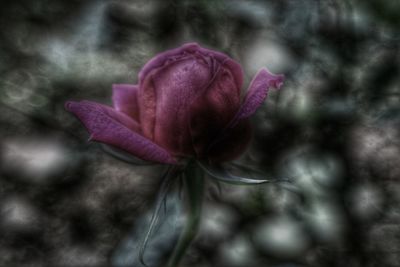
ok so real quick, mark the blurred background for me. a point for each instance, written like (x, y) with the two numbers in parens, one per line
(333, 129)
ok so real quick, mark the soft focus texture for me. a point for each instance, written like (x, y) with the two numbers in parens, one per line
(188, 103)
(333, 129)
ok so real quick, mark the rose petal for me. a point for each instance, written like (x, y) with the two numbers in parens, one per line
(177, 87)
(161, 58)
(257, 93)
(223, 146)
(110, 112)
(125, 99)
(227, 62)
(151, 97)
(211, 112)
(165, 98)
(114, 128)
(236, 70)
(147, 108)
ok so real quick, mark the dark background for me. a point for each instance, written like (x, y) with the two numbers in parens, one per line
(333, 129)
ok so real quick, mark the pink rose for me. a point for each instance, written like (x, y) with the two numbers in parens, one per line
(188, 104)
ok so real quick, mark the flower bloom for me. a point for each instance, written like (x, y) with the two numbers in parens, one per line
(188, 103)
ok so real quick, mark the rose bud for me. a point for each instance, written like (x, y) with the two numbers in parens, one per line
(188, 103)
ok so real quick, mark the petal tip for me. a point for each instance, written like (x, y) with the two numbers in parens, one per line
(69, 105)
(190, 45)
(278, 81)
(274, 80)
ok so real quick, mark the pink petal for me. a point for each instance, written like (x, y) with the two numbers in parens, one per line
(125, 99)
(115, 128)
(227, 62)
(165, 96)
(236, 70)
(213, 110)
(237, 131)
(172, 80)
(257, 93)
(176, 88)
(161, 58)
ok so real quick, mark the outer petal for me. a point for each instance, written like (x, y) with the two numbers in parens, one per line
(176, 88)
(229, 63)
(211, 112)
(165, 97)
(110, 112)
(114, 128)
(174, 81)
(160, 59)
(257, 93)
(236, 70)
(236, 128)
(125, 99)
(147, 108)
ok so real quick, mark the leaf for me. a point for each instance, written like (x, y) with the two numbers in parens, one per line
(194, 189)
(219, 173)
(165, 229)
(161, 199)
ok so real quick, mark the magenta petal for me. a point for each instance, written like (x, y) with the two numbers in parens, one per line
(125, 99)
(112, 113)
(110, 127)
(165, 98)
(160, 58)
(236, 70)
(213, 110)
(257, 93)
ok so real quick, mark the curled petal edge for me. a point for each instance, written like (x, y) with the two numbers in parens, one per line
(108, 126)
(160, 59)
(256, 94)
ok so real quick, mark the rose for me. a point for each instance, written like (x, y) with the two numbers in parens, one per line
(188, 104)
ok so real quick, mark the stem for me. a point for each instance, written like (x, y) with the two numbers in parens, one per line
(194, 185)
(162, 194)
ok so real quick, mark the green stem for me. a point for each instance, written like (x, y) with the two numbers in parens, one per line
(194, 185)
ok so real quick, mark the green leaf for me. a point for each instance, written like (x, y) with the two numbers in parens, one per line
(194, 189)
(219, 173)
(162, 194)
(160, 244)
